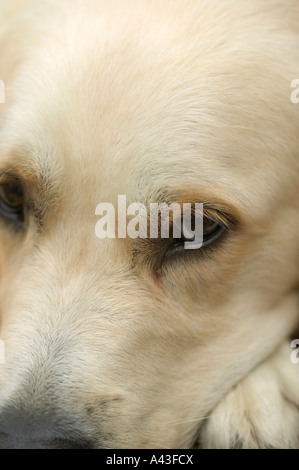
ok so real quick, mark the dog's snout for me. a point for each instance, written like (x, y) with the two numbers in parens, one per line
(21, 430)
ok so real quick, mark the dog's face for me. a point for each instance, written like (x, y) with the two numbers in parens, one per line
(121, 342)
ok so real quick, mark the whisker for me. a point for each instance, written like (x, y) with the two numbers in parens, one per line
(203, 418)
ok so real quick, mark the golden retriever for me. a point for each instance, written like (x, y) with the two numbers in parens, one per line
(136, 342)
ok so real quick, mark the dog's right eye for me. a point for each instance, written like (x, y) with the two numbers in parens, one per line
(12, 202)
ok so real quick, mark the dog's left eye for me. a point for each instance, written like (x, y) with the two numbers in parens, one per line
(215, 227)
(212, 231)
(12, 202)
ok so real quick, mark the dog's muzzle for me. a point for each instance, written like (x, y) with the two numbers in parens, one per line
(19, 430)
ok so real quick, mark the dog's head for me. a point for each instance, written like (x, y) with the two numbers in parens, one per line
(118, 342)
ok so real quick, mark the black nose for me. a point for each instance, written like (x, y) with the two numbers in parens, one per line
(25, 442)
(20, 429)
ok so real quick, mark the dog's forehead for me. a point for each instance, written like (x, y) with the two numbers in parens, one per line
(126, 112)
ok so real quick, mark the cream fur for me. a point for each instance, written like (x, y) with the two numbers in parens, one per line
(147, 98)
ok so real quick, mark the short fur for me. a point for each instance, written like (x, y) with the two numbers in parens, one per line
(187, 100)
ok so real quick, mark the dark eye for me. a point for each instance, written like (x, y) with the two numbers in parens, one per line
(212, 231)
(12, 202)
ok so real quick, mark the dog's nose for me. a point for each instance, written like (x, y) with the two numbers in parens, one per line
(25, 442)
(21, 430)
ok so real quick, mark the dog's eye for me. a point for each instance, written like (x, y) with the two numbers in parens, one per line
(213, 230)
(12, 202)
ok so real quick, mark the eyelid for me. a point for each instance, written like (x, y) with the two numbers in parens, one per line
(7, 177)
(215, 215)
(223, 219)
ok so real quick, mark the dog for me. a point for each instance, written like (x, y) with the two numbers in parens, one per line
(119, 342)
